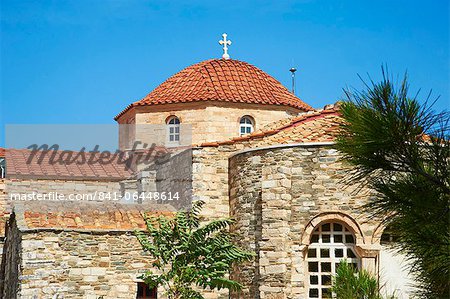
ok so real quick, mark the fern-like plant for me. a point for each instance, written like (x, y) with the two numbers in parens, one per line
(190, 256)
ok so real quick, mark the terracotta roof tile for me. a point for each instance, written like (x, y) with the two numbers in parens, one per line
(313, 126)
(109, 216)
(17, 165)
(221, 80)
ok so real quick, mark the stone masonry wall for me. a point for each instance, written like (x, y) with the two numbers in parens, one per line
(76, 265)
(211, 121)
(274, 194)
(45, 186)
(171, 176)
(210, 180)
(4, 215)
(247, 198)
(210, 177)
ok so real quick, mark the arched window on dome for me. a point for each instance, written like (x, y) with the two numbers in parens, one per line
(173, 130)
(246, 125)
(330, 243)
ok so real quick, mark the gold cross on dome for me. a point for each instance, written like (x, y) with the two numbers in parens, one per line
(225, 44)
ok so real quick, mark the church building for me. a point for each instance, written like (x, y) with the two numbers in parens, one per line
(255, 152)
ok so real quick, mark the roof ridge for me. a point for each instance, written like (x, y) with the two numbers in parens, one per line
(208, 80)
(203, 83)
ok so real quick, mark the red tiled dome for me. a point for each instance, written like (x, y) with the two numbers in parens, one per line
(221, 80)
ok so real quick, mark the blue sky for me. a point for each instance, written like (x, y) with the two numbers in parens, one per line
(83, 61)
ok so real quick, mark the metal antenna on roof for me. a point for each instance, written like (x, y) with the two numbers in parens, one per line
(293, 70)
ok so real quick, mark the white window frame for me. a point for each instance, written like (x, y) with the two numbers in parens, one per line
(246, 125)
(173, 130)
(325, 251)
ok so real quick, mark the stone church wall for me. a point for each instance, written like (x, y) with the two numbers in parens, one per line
(212, 121)
(74, 264)
(27, 186)
(277, 197)
(5, 210)
(4, 215)
(210, 176)
(170, 175)
(210, 180)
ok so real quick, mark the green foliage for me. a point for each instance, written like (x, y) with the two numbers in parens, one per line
(350, 284)
(401, 149)
(189, 256)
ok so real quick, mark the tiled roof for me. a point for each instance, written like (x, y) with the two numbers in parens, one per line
(101, 216)
(2, 152)
(313, 126)
(221, 80)
(17, 166)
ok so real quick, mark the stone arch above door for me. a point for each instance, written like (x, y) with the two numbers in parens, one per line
(332, 217)
(366, 251)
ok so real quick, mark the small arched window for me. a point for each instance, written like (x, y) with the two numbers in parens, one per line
(173, 129)
(246, 125)
(330, 243)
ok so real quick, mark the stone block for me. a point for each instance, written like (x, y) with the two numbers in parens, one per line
(275, 269)
(268, 184)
